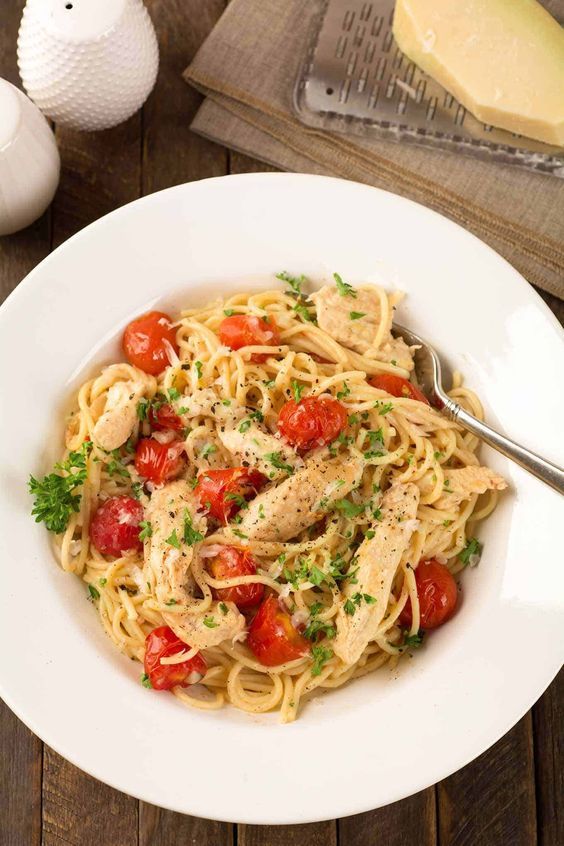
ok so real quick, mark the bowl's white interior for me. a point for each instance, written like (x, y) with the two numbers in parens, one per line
(390, 733)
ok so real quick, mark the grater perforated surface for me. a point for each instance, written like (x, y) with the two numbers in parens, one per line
(356, 80)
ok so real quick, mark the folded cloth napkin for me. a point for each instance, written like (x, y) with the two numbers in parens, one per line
(247, 69)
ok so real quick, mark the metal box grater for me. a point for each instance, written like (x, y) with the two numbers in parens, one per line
(356, 80)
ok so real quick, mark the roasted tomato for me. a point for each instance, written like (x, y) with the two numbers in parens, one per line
(144, 341)
(115, 526)
(246, 330)
(222, 492)
(165, 417)
(159, 463)
(312, 422)
(272, 637)
(397, 386)
(230, 563)
(163, 643)
(437, 593)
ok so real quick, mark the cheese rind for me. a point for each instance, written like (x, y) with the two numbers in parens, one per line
(502, 59)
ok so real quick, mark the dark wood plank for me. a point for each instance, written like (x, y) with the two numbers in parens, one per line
(79, 810)
(315, 834)
(158, 827)
(492, 800)
(406, 823)
(171, 153)
(548, 720)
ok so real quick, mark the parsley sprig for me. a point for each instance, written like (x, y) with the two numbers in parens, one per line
(320, 655)
(344, 289)
(276, 459)
(473, 547)
(54, 500)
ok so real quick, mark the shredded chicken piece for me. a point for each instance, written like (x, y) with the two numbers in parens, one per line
(377, 562)
(118, 420)
(461, 484)
(253, 444)
(282, 512)
(168, 568)
(334, 317)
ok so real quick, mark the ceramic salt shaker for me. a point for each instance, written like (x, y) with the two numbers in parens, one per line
(29, 160)
(87, 64)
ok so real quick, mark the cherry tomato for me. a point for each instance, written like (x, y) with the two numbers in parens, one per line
(165, 417)
(312, 422)
(397, 386)
(437, 594)
(230, 563)
(162, 643)
(220, 491)
(115, 526)
(272, 637)
(245, 330)
(159, 463)
(144, 341)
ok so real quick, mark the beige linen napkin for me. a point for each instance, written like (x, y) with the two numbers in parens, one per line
(248, 67)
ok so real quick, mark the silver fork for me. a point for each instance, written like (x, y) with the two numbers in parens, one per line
(428, 372)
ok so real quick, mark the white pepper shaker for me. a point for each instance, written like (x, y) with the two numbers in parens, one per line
(87, 64)
(29, 160)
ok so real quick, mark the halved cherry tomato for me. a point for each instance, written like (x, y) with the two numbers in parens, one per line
(312, 422)
(272, 637)
(246, 330)
(229, 563)
(221, 491)
(397, 386)
(162, 643)
(144, 341)
(115, 526)
(437, 593)
(165, 417)
(157, 462)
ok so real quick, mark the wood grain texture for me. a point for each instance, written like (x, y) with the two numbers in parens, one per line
(411, 822)
(491, 802)
(78, 810)
(548, 721)
(158, 827)
(171, 153)
(315, 834)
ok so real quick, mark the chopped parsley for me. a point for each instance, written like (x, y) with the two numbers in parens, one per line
(316, 576)
(413, 641)
(198, 365)
(316, 627)
(223, 608)
(210, 623)
(353, 418)
(145, 680)
(208, 450)
(269, 383)
(257, 415)
(473, 547)
(103, 581)
(229, 312)
(369, 534)
(116, 467)
(356, 315)
(238, 499)
(170, 602)
(54, 501)
(172, 540)
(146, 530)
(438, 455)
(238, 533)
(245, 426)
(320, 655)
(94, 592)
(297, 389)
(261, 513)
(302, 311)
(354, 602)
(193, 482)
(226, 402)
(277, 460)
(344, 392)
(190, 536)
(344, 289)
(295, 282)
(383, 407)
(349, 509)
(173, 394)
(136, 489)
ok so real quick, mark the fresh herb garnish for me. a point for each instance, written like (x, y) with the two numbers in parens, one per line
(146, 530)
(344, 289)
(210, 623)
(413, 641)
(208, 450)
(297, 389)
(173, 394)
(349, 509)
(54, 501)
(238, 499)
(320, 655)
(473, 547)
(383, 408)
(295, 282)
(146, 681)
(344, 392)
(277, 460)
(245, 426)
(238, 533)
(356, 315)
(170, 602)
(103, 581)
(355, 600)
(94, 592)
(190, 536)
(302, 311)
(198, 365)
(226, 402)
(223, 608)
(172, 540)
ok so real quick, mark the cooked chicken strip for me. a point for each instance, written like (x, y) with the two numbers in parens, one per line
(170, 510)
(116, 424)
(282, 512)
(334, 316)
(461, 484)
(378, 561)
(252, 445)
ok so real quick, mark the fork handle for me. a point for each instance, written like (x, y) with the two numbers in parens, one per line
(539, 467)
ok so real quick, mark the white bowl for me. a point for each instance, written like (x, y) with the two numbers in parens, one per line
(382, 737)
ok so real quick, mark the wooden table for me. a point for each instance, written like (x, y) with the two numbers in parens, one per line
(507, 797)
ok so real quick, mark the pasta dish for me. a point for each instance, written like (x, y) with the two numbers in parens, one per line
(260, 499)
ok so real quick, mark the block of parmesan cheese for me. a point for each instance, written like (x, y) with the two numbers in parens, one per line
(502, 59)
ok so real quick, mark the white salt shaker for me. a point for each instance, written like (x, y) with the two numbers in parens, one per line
(87, 64)
(29, 160)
